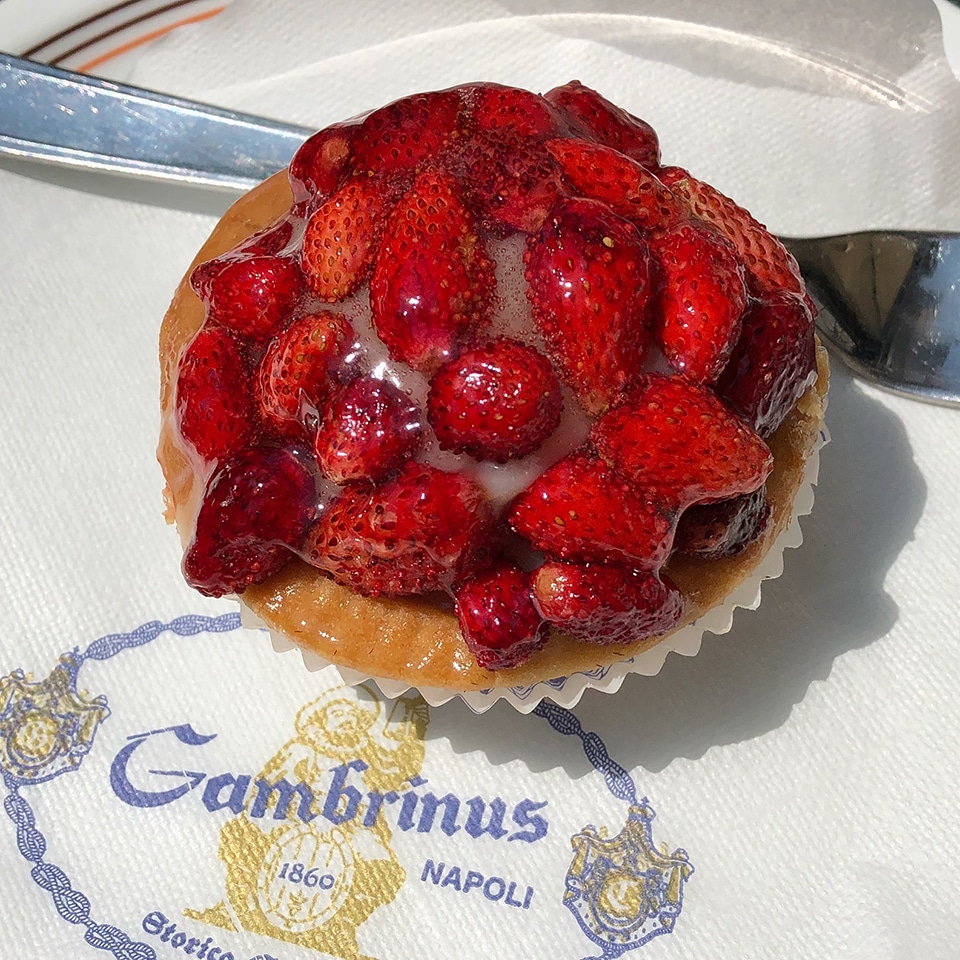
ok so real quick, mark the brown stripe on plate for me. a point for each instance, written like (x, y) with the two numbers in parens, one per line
(33, 52)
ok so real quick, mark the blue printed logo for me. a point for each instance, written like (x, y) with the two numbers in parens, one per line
(291, 850)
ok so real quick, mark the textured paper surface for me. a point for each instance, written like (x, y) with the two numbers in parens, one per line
(806, 761)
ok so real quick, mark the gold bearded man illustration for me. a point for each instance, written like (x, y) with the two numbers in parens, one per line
(307, 881)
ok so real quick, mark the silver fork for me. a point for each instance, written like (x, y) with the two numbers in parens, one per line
(890, 300)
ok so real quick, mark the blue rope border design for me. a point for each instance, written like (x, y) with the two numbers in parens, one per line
(618, 780)
(71, 904)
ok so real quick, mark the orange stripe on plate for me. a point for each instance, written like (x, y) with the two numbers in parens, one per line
(146, 38)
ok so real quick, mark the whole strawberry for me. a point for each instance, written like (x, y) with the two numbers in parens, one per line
(510, 181)
(598, 119)
(215, 412)
(271, 241)
(493, 106)
(582, 509)
(499, 622)
(681, 442)
(406, 135)
(628, 188)
(420, 532)
(606, 604)
(771, 266)
(589, 287)
(773, 362)
(253, 295)
(254, 514)
(321, 162)
(300, 369)
(368, 429)
(703, 296)
(340, 239)
(497, 401)
(432, 280)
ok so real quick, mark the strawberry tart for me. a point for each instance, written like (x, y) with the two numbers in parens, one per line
(479, 392)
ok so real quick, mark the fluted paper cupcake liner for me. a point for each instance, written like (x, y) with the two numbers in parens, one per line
(567, 691)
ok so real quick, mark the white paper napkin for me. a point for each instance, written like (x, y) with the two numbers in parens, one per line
(806, 762)
(820, 119)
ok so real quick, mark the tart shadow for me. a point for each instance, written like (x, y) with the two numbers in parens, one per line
(829, 600)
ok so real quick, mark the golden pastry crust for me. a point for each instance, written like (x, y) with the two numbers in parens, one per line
(412, 639)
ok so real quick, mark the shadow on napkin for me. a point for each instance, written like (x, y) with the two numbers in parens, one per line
(829, 600)
(171, 196)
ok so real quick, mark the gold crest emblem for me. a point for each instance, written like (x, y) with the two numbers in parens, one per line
(623, 890)
(307, 881)
(46, 726)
